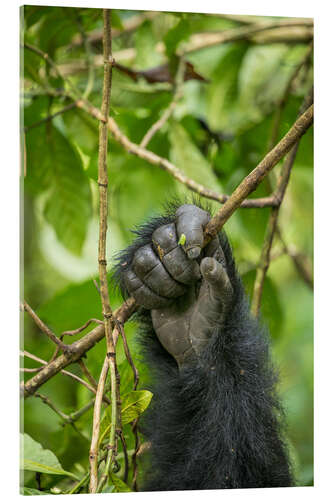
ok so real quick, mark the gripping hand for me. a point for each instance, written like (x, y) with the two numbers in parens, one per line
(185, 287)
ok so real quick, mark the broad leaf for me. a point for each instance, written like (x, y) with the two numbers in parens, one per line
(119, 485)
(134, 404)
(37, 459)
(54, 165)
(189, 159)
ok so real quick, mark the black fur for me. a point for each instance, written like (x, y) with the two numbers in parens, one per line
(219, 424)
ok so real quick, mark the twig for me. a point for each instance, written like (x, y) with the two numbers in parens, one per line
(204, 40)
(170, 109)
(93, 454)
(64, 372)
(44, 328)
(49, 403)
(48, 118)
(79, 348)
(302, 263)
(251, 181)
(87, 373)
(123, 442)
(81, 328)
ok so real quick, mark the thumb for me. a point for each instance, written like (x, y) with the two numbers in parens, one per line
(218, 281)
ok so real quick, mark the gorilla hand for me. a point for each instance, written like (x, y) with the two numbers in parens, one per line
(186, 287)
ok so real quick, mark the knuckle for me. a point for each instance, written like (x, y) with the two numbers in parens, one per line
(143, 260)
(164, 239)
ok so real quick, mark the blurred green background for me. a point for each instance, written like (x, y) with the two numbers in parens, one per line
(220, 130)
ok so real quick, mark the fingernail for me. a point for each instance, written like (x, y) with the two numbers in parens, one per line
(193, 253)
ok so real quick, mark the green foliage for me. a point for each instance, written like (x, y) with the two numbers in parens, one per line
(134, 404)
(37, 459)
(56, 168)
(218, 133)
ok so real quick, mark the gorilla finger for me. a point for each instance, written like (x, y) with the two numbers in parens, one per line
(218, 280)
(172, 256)
(142, 294)
(214, 249)
(152, 273)
(190, 221)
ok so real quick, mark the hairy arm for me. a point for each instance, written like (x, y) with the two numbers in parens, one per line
(215, 419)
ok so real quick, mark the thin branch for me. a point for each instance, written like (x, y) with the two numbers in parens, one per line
(110, 359)
(44, 328)
(123, 442)
(64, 372)
(302, 263)
(203, 40)
(93, 454)
(66, 418)
(179, 80)
(81, 328)
(251, 181)
(49, 118)
(87, 373)
(78, 349)
(166, 165)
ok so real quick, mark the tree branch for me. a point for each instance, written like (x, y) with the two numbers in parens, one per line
(110, 360)
(251, 181)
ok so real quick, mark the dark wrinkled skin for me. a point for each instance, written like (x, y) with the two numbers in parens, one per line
(186, 288)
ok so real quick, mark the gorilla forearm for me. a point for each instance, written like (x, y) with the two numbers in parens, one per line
(215, 421)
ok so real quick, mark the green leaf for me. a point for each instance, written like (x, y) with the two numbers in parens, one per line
(37, 459)
(223, 111)
(32, 492)
(119, 485)
(54, 165)
(82, 129)
(134, 404)
(190, 160)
